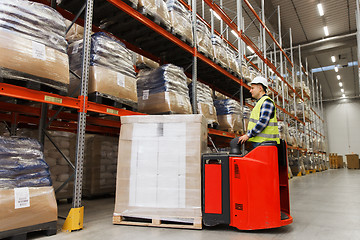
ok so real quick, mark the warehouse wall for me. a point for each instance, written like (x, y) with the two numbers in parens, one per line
(343, 126)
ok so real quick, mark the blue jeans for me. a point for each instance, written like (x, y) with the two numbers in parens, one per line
(255, 144)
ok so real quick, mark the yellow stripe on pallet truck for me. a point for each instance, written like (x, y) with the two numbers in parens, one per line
(74, 220)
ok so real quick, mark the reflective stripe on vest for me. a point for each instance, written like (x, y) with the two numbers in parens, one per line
(271, 131)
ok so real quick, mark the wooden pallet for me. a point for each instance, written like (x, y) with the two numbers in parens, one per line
(112, 101)
(155, 18)
(48, 229)
(122, 220)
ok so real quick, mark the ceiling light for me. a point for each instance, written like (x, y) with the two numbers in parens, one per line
(342, 90)
(215, 14)
(320, 9)
(343, 95)
(326, 31)
(250, 49)
(340, 84)
(333, 59)
(338, 77)
(235, 33)
(336, 69)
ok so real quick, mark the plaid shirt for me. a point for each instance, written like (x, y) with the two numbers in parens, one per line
(266, 113)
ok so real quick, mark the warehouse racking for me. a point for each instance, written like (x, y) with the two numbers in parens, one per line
(165, 47)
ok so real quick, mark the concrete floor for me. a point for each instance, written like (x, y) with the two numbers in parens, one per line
(324, 206)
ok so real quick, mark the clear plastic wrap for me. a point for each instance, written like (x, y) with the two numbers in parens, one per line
(163, 89)
(157, 9)
(205, 102)
(111, 68)
(232, 60)
(220, 53)
(246, 116)
(42, 208)
(22, 163)
(35, 22)
(229, 115)
(203, 39)
(180, 19)
(293, 137)
(143, 62)
(75, 33)
(26, 59)
(159, 170)
(284, 131)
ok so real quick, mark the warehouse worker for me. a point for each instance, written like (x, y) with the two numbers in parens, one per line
(262, 123)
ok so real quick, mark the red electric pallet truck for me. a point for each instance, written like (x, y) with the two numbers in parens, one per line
(248, 192)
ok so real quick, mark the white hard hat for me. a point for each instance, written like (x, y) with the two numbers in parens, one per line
(261, 80)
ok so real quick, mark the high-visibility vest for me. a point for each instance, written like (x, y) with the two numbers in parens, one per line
(271, 131)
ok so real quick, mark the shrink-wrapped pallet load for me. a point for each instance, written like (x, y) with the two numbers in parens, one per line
(205, 102)
(157, 9)
(163, 90)
(111, 73)
(203, 39)
(100, 165)
(232, 60)
(180, 19)
(220, 53)
(229, 115)
(26, 193)
(293, 137)
(284, 132)
(159, 169)
(32, 44)
(144, 62)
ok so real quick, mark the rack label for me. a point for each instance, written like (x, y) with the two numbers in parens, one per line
(120, 80)
(22, 197)
(38, 50)
(146, 94)
(109, 110)
(52, 99)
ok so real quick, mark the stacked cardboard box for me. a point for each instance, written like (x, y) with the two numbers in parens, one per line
(32, 44)
(158, 174)
(353, 161)
(26, 194)
(229, 115)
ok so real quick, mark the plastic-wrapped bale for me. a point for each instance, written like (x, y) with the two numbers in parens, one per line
(26, 193)
(33, 45)
(157, 9)
(203, 39)
(100, 165)
(205, 102)
(245, 71)
(180, 19)
(219, 96)
(246, 116)
(229, 115)
(284, 131)
(111, 74)
(232, 61)
(220, 53)
(59, 168)
(75, 33)
(144, 62)
(163, 90)
(159, 170)
(253, 73)
(293, 137)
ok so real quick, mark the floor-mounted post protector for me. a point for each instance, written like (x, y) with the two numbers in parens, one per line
(75, 219)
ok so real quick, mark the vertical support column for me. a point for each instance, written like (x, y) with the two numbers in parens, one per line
(276, 78)
(42, 123)
(264, 37)
(312, 98)
(293, 73)
(307, 85)
(74, 221)
(194, 66)
(203, 9)
(358, 39)
(302, 91)
(281, 66)
(221, 21)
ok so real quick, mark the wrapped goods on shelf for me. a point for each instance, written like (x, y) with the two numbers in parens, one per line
(100, 165)
(180, 19)
(219, 96)
(301, 85)
(157, 9)
(159, 170)
(253, 73)
(293, 137)
(245, 71)
(220, 52)
(246, 116)
(296, 163)
(26, 192)
(232, 61)
(205, 102)
(32, 44)
(75, 33)
(111, 68)
(203, 39)
(144, 62)
(229, 115)
(163, 90)
(284, 131)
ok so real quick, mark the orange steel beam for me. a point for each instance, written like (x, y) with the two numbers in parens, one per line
(221, 133)
(267, 30)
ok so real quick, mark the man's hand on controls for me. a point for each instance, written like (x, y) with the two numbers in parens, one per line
(243, 139)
